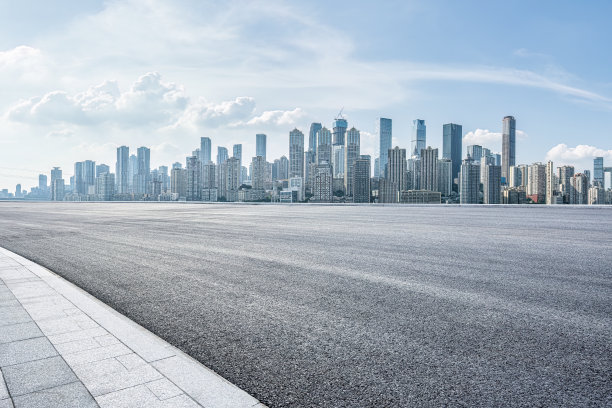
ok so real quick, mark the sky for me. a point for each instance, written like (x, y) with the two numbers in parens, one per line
(80, 78)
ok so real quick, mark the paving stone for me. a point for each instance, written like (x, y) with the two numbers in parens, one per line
(78, 335)
(110, 375)
(77, 346)
(100, 353)
(107, 340)
(66, 324)
(19, 331)
(6, 403)
(142, 396)
(25, 350)
(9, 301)
(16, 273)
(12, 315)
(164, 389)
(3, 391)
(37, 375)
(73, 395)
(34, 289)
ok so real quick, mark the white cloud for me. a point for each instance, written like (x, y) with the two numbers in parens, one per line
(277, 117)
(488, 139)
(21, 56)
(565, 154)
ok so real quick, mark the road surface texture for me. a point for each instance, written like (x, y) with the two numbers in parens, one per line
(356, 306)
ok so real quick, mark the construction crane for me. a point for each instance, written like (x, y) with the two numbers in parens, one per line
(339, 116)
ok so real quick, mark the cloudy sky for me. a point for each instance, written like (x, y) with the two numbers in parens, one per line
(80, 78)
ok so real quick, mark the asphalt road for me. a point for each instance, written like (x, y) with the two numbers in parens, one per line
(353, 306)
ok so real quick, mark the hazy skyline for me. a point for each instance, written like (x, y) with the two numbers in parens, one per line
(80, 79)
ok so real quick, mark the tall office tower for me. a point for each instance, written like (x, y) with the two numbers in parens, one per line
(418, 138)
(237, 153)
(229, 183)
(551, 182)
(79, 183)
(143, 176)
(491, 184)
(452, 136)
(596, 195)
(338, 154)
(580, 189)
(196, 153)
(384, 128)
(42, 183)
(260, 145)
(222, 155)
(194, 179)
(259, 173)
(565, 182)
(177, 165)
(322, 183)
(508, 146)
(324, 146)
(89, 177)
(361, 179)
(497, 159)
(56, 174)
(275, 166)
(515, 176)
(132, 173)
(445, 177)
(205, 150)
(474, 152)
(598, 172)
(587, 173)
(178, 182)
(105, 186)
(283, 168)
(102, 168)
(396, 172)
(413, 167)
(351, 153)
(208, 175)
(377, 169)
(469, 182)
(340, 126)
(296, 153)
(429, 169)
(536, 182)
(122, 169)
(312, 138)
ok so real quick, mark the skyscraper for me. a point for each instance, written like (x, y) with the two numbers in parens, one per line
(283, 168)
(324, 146)
(57, 184)
(237, 153)
(132, 172)
(475, 152)
(340, 126)
(536, 182)
(144, 170)
(429, 169)
(312, 138)
(445, 178)
(42, 183)
(452, 136)
(361, 180)
(205, 150)
(598, 172)
(580, 189)
(565, 182)
(260, 145)
(296, 153)
(222, 155)
(322, 184)
(122, 171)
(102, 168)
(351, 153)
(229, 183)
(491, 184)
(418, 139)
(396, 176)
(550, 183)
(508, 146)
(259, 173)
(469, 182)
(385, 136)
(194, 179)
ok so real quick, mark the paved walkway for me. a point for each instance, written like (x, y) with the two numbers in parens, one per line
(61, 347)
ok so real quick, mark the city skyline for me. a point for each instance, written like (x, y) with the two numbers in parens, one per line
(147, 92)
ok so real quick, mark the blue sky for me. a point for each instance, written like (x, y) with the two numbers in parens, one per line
(81, 78)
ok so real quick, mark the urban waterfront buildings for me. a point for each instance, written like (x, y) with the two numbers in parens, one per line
(418, 140)
(385, 136)
(452, 141)
(508, 146)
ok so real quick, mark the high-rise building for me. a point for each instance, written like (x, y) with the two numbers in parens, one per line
(518, 176)
(229, 183)
(205, 150)
(324, 146)
(565, 182)
(351, 153)
(194, 179)
(322, 185)
(132, 173)
(56, 174)
(163, 178)
(208, 175)
(536, 182)
(429, 169)
(79, 181)
(259, 173)
(105, 186)
(340, 126)
(338, 154)
(491, 184)
(551, 182)
(102, 168)
(361, 180)
(474, 152)
(42, 183)
(469, 182)
(385, 137)
(452, 139)
(445, 177)
(178, 182)
(260, 145)
(580, 189)
(222, 155)
(508, 146)
(283, 168)
(296, 153)
(312, 138)
(144, 170)
(122, 171)
(396, 176)
(598, 172)
(418, 137)
(237, 153)
(377, 167)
